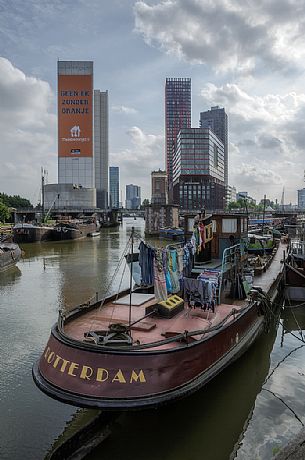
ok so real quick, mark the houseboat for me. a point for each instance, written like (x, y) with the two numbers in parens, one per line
(192, 315)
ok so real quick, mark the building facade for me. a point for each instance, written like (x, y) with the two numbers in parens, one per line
(245, 196)
(177, 116)
(198, 170)
(114, 187)
(101, 154)
(160, 216)
(68, 197)
(133, 196)
(301, 198)
(159, 187)
(217, 119)
(230, 193)
(75, 123)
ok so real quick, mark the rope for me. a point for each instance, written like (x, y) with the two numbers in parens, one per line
(285, 404)
(125, 252)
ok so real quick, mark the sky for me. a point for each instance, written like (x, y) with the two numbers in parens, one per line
(245, 55)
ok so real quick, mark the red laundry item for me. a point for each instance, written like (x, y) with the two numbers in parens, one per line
(202, 234)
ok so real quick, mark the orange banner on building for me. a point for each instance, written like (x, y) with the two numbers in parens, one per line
(75, 118)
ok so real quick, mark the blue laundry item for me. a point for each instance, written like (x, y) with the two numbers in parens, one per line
(168, 283)
(146, 258)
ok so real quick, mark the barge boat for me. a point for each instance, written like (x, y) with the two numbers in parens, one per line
(135, 350)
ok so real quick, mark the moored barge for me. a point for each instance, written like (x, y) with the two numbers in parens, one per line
(135, 350)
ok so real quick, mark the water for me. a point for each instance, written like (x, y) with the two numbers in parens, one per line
(229, 417)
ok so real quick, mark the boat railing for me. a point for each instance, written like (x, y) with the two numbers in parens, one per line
(230, 258)
(297, 247)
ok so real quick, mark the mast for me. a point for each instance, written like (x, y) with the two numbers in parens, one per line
(42, 194)
(264, 209)
(131, 269)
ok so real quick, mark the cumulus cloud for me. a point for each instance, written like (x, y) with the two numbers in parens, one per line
(227, 34)
(145, 155)
(266, 138)
(27, 130)
(124, 109)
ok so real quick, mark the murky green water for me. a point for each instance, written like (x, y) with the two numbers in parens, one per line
(229, 417)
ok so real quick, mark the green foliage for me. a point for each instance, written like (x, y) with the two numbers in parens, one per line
(276, 450)
(15, 201)
(4, 212)
(145, 202)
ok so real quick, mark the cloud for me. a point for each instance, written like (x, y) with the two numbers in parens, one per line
(124, 109)
(136, 163)
(266, 138)
(227, 34)
(27, 130)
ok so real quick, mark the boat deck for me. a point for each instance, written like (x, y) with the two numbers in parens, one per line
(155, 328)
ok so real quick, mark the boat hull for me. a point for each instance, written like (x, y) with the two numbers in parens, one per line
(10, 256)
(63, 232)
(89, 376)
(31, 234)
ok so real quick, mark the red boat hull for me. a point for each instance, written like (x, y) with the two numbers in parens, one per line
(90, 376)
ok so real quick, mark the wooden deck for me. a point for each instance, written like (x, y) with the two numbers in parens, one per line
(153, 329)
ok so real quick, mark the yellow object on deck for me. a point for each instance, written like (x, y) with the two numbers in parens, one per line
(172, 302)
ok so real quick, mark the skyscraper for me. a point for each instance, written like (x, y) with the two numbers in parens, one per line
(101, 147)
(177, 116)
(133, 196)
(217, 119)
(114, 187)
(198, 170)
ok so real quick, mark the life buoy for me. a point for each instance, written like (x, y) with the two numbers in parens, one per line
(58, 229)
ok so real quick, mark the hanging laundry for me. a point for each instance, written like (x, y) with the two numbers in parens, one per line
(146, 263)
(180, 260)
(159, 277)
(173, 270)
(201, 228)
(193, 291)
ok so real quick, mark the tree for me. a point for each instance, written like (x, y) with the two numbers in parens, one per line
(15, 201)
(4, 212)
(145, 202)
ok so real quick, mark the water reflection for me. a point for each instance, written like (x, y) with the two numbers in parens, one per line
(231, 414)
(205, 425)
(273, 424)
(10, 276)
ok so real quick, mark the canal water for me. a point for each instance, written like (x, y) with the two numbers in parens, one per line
(237, 415)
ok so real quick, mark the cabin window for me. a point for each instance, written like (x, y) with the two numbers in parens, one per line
(214, 226)
(229, 225)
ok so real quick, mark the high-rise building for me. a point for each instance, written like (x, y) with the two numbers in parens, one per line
(75, 123)
(301, 198)
(101, 147)
(82, 157)
(217, 119)
(133, 196)
(114, 187)
(177, 116)
(198, 170)
(159, 190)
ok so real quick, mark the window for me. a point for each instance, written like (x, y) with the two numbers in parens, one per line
(229, 225)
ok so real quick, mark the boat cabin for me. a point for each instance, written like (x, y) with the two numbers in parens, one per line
(221, 232)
